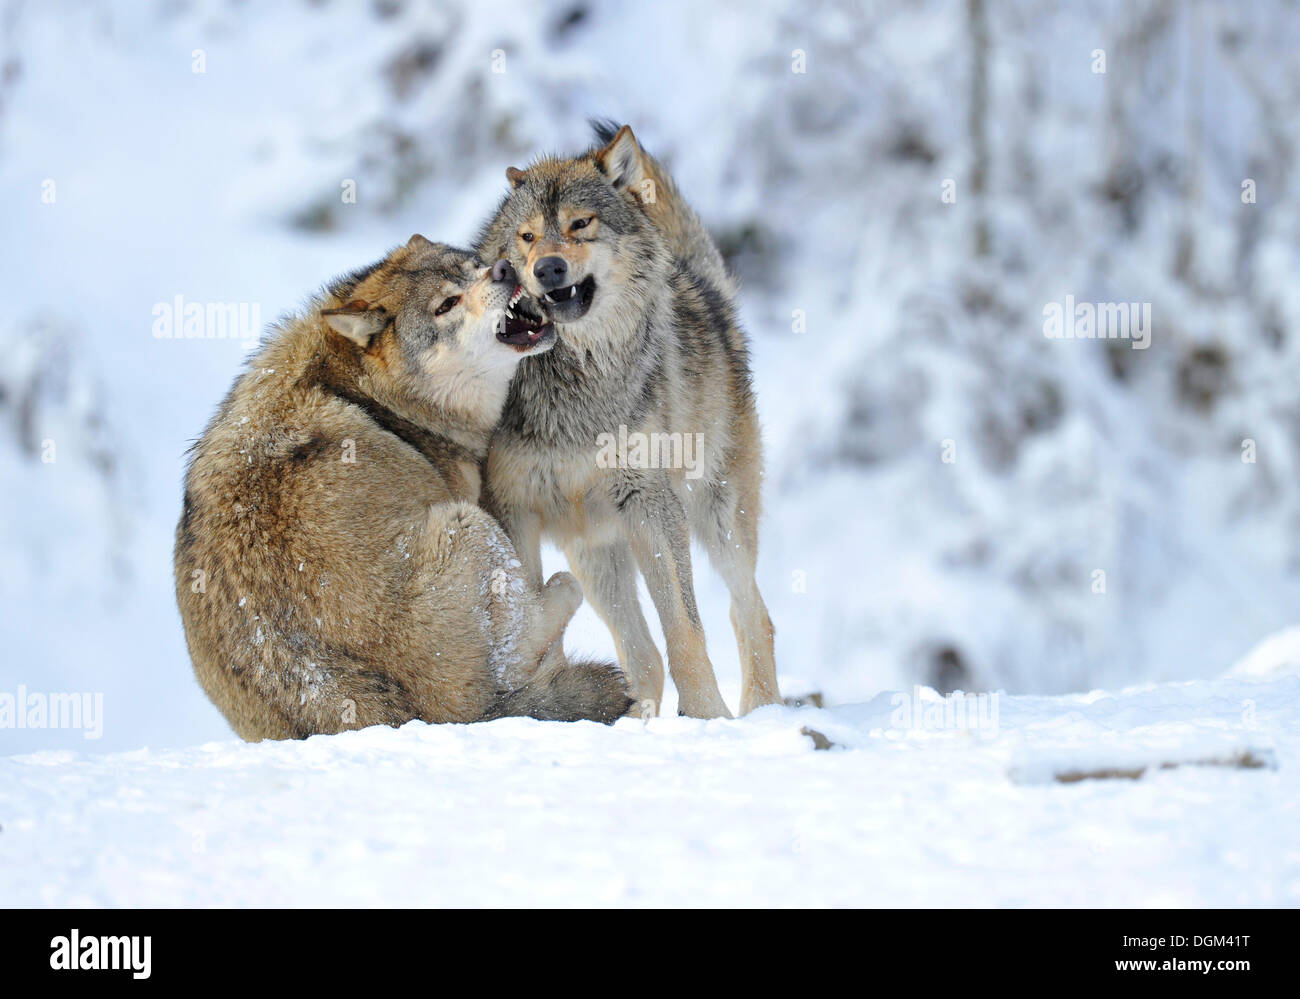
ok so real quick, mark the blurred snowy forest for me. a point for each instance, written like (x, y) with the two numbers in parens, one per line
(953, 498)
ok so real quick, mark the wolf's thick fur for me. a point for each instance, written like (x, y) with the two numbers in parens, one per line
(648, 341)
(332, 568)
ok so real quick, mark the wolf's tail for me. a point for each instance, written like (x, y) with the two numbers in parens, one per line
(583, 691)
(688, 239)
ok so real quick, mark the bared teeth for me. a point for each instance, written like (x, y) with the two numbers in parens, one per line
(573, 290)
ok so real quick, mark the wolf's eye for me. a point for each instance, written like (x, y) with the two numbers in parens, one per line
(527, 237)
(447, 305)
(581, 223)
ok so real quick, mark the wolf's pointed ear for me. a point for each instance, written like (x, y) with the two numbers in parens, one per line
(418, 242)
(357, 321)
(515, 176)
(622, 161)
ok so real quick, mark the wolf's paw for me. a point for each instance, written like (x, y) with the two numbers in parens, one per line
(702, 705)
(645, 708)
(562, 595)
(758, 697)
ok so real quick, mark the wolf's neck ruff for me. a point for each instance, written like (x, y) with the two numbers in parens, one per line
(573, 394)
(337, 370)
(437, 449)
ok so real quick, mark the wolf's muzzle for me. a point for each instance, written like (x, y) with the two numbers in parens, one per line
(502, 271)
(551, 272)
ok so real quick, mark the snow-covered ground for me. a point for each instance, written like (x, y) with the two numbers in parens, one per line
(901, 810)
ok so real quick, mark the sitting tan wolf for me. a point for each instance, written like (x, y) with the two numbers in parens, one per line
(332, 568)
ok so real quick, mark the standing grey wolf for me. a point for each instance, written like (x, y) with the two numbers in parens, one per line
(650, 352)
(332, 568)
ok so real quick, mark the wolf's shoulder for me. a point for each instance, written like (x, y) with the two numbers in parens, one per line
(699, 299)
(706, 321)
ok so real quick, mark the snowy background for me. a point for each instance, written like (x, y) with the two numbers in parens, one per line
(888, 322)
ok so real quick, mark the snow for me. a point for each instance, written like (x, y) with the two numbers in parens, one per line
(677, 811)
(1277, 655)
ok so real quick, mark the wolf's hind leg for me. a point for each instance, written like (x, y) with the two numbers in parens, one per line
(478, 580)
(726, 522)
(608, 577)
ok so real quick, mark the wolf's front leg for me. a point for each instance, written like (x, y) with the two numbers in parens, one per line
(607, 572)
(560, 599)
(654, 523)
(524, 529)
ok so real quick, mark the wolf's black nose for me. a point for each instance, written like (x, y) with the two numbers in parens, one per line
(502, 271)
(551, 272)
